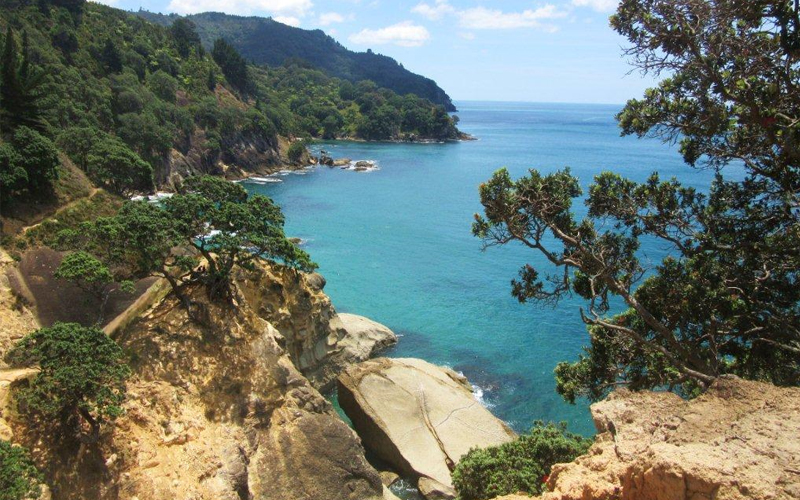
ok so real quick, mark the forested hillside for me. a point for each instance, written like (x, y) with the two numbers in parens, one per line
(135, 105)
(266, 41)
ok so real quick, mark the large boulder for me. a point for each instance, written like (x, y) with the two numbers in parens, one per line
(739, 440)
(418, 417)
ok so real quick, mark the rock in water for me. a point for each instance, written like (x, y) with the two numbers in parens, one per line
(364, 338)
(434, 490)
(418, 417)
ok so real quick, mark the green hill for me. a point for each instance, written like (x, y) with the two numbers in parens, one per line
(265, 41)
(137, 106)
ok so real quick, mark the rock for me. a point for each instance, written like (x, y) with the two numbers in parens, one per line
(434, 490)
(364, 338)
(218, 410)
(316, 281)
(342, 162)
(295, 240)
(388, 495)
(417, 417)
(739, 440)
(362, 166)
(318, 342)
(324, 159)
(388, 478)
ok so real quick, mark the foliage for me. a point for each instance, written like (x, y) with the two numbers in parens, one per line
(19, 477)
(184, 32)
(296, 151)
(213, 217)
(268, 42)
(727, 298)
(82, 376)
(233, 65)
(21, 85)
(518, 466)
(90, 275)
(112, 165)
(86, 75)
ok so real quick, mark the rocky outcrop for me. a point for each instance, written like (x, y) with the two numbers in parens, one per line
(739, 440)
(215, 410)
(418, 417)
(320, 342)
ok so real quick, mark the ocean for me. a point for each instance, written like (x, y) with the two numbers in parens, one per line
(395, 244)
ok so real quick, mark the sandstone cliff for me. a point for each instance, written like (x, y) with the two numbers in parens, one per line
(739, 440)
(219, 411)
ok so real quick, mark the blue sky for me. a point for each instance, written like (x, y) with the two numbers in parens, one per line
(506, 50)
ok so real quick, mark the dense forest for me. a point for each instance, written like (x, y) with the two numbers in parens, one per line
(118, 95)
(266, 41)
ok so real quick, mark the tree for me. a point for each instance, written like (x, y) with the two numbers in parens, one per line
(233, 65)
(163, 86)
(184, 32)
(38, 156)
(20, 85)
(726, 298)
(12, 176)
(230, 229)
(90, 275)
(111, 164)
(81, 379)
(296, 151)
(210, 218)
(19, 477)
(110, 57)
(521, 465)
(77, 143)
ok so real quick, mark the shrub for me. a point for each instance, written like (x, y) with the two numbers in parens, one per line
(296, 151)
(82, 375)
(521, 465)
(19, 478)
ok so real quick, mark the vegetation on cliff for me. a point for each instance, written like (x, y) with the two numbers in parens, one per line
(519, 466)
(197, 236)
(268, 42)
(81, 379)
(19, 478)
(726, 300)
(118, 94)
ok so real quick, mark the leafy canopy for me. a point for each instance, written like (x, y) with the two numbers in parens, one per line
(19, 477)
(726, 299)
(211, 218)
(82, 376)
(518, 466)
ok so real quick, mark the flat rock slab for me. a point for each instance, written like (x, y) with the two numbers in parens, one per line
(418, 417)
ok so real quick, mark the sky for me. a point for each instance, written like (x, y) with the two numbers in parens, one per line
(496, 50)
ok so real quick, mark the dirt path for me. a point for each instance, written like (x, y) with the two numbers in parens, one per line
(69, 205)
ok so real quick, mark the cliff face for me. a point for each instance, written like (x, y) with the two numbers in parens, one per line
(241, 154)
(739, 440)
(218, 411)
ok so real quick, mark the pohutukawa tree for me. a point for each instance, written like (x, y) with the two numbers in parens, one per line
(726, 299)
(197, 237)
(81, 378)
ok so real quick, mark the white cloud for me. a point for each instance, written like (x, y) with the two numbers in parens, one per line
(329, 18)
(481, 18)
(293, 8)
(466, 35)
(405, 34)
(290, 20)
(434, 12)
(598, 5)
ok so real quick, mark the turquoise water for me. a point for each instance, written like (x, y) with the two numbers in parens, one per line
(395, 244)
